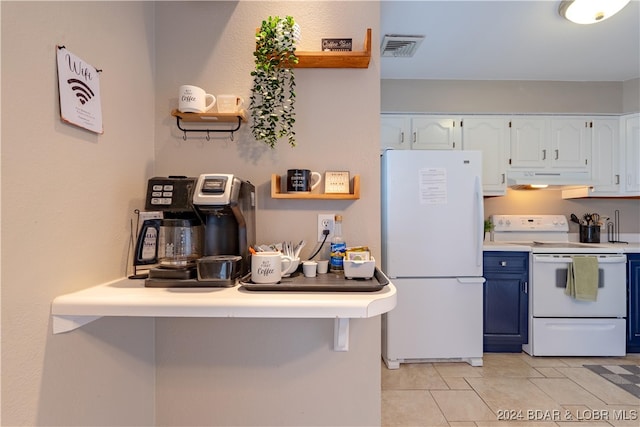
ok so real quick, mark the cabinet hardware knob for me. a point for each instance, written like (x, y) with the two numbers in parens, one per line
(503, 263)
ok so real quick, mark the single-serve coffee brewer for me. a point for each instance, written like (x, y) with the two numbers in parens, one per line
(208, 220)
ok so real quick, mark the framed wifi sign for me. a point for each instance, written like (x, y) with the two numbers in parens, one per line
(79, 87)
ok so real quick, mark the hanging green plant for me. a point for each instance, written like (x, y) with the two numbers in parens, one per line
(273, 93)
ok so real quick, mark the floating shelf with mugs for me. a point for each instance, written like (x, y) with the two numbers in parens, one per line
(195, 105)
(278, 193)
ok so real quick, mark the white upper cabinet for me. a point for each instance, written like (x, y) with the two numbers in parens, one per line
(550, 143)
(395, 132)
(631, 154)
(435, 133)
(419, 132)
(571, 143)
(606, 156)
(602, 150)
(490, 135)
(529, 143)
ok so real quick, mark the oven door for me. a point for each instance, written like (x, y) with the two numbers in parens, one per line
(549, 279)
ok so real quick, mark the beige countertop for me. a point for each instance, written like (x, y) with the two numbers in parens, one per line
(514, 247)
(507, 247)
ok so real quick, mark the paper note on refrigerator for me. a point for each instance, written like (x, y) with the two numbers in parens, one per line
(433, 186)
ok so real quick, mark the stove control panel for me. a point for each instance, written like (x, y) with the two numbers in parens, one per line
(554, 223)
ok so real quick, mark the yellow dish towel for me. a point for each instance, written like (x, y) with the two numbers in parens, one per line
(582, 278)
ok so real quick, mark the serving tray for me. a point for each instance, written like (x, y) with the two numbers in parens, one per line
(330, 282)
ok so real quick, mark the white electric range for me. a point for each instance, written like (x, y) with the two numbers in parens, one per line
(560, 325)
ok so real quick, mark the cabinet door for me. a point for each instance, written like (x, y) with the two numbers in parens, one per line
(435, 133)
(491, 136)
(505, 301)
(605, 156)
(395, 132)
(570, 143)
(632, 154)
(633, 309)
(529, 143)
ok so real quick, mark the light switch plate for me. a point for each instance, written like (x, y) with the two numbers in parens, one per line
(336, 182)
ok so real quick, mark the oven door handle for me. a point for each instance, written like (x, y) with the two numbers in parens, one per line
(565, 259)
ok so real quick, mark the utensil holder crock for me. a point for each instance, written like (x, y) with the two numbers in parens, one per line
(589, 233)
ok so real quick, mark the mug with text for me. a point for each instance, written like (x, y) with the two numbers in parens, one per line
(302, 180)
(269, 267)
(229, 103)
(193, 99)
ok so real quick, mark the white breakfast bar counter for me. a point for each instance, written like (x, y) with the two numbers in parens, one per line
(230, 356)
(130, 298)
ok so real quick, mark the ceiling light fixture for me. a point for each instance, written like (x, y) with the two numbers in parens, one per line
(590, 11)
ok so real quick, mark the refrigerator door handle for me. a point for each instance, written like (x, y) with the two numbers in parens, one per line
(480, 221)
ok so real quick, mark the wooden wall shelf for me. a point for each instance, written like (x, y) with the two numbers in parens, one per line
(209, 118)
(354, 59)
(277, 194)
(323, 59)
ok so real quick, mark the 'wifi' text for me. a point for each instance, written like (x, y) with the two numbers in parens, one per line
(78, 68)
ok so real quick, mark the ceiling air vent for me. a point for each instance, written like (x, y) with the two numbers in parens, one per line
(400, 46)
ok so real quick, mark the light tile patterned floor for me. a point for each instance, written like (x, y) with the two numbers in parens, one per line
(509, 390)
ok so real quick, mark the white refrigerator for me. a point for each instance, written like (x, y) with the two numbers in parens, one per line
(432, 237)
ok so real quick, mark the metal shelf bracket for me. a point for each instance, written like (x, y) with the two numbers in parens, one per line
(208, 131)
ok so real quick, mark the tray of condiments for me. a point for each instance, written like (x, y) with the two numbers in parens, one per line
(329, 282)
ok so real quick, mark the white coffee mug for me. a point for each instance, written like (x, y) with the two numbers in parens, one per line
(295, 262)
(193, 99)
(229, 103)
(268, 267)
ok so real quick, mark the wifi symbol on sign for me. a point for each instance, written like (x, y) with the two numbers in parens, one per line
(82, 91)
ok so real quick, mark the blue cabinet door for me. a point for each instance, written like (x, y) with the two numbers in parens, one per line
(505, 301)
(633, 303)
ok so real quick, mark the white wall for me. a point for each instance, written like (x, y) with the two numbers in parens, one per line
(211, 44)
(67, 197)
(285, 365)
(68, 194)
(500, 96)
(631, 96)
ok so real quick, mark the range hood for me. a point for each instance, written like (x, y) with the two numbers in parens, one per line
(551, 179)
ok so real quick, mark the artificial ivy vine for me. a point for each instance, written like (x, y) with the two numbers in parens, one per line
(273, 92)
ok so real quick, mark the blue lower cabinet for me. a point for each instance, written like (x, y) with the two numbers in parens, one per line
(506, 301)
(633, 303)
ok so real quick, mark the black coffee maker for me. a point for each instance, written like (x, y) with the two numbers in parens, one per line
(226, 206)
(213, 214)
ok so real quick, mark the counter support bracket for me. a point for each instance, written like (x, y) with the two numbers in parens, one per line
(341, 334)
(64, 323)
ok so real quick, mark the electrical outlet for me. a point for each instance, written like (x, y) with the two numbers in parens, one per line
(325, 222)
